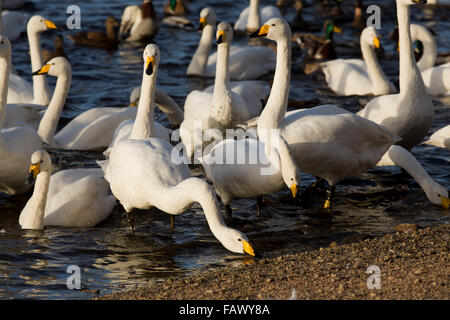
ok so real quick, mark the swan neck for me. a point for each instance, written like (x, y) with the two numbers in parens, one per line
(376, 73)
(144, 127)
(40, 84)
(253, 22)
(409, 73)
(39, 201)
(49, 122)
(273, 113)
(429, 55)
(5, 65)
(200, 59)
(221, 102)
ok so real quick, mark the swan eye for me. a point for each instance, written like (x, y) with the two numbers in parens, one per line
(2, 42)
(292, 179)
(41, 161)
(273, 25)
(239, 239)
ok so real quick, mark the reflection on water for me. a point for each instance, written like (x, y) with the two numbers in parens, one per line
(33, 264)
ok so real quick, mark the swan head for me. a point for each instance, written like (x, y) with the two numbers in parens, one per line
(438, 195)
(274, 29)
(224, 33)
(38, 24)
(291, 176)
(236, 241)
(151, 58)
(207, 17)
(371, 37)
(55, 67)
(134, 96)
(40, 162)
(5, 46)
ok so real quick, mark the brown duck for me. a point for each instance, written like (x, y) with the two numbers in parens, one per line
(108, 40)
(298, 23)
(59, 50)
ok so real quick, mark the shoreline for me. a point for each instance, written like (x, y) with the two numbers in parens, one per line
(412, 264)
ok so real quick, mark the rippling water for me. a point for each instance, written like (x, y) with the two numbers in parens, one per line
(33, 263)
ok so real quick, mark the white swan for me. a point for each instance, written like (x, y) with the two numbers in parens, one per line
(142, 173)
(435, 78)
(223, 107)
(139, 23)
(20, 91)
(69, 198)
(359, 77)
(251, 17)
(328, 141)
(246, 62)
(409, 113)
(12, 23)
(16, 144)
(440, 138)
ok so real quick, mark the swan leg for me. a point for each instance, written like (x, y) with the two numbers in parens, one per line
(228, 212)
(130, 217)
(259, 204)
(330, 195)
(172, 223)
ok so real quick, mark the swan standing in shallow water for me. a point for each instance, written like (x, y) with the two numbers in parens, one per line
(16, 144)
(142, 173)
(224, 107)
(322, 140)
(69, 198)
(359, 77)
(20, 91)
(246, 62)
(410, 113)
(251, 17)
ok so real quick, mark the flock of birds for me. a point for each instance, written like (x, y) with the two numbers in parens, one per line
(326, 141)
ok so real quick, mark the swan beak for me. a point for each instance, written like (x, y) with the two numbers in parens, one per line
(376, 42)
(398, 46)
(202, 24)
(34, 171)
(294, 190)
(221, 38)
(133, 104)
(248, 248)
(262, 32)
(337, 29)
(445, 202)
(50, 24)
(149, 66)
(420, 1)
(44, 70)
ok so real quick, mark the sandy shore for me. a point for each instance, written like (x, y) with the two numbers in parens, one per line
(413, 265)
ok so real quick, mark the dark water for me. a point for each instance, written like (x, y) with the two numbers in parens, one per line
(33, 264)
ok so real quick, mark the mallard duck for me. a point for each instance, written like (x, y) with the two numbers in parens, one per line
(59, 50)
(175, 8)
(108, 40)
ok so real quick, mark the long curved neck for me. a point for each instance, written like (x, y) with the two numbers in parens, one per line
(186, 193)
(429, 55)
(5, 65)
(200, 59)
(221, 109)
(376, 74)
(254, 20)
(143, 126)
(49, 122)
(170, 108)
(273, 114)
(36, 212)
(410, 77)
(40, 84)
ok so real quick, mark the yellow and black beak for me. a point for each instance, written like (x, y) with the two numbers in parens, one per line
(202, 23)
(262, 32)
(376, 42)
(248, 248)
(50, 24)
(34, 171)
(222, 37)
(44, 70)
(420, 1)
(150, 65)
(294, 190)
(445, 202)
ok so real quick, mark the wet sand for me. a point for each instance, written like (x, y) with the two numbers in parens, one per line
(413, 264)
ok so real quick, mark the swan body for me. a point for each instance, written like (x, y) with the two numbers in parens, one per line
(251, 17)
(246, 62)
(69, 198)
(143, 174)
(220, 107)
(16, 144)
(410, 113)
(20, 91)
(440, 138)
(139, 23)
(359, 77)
